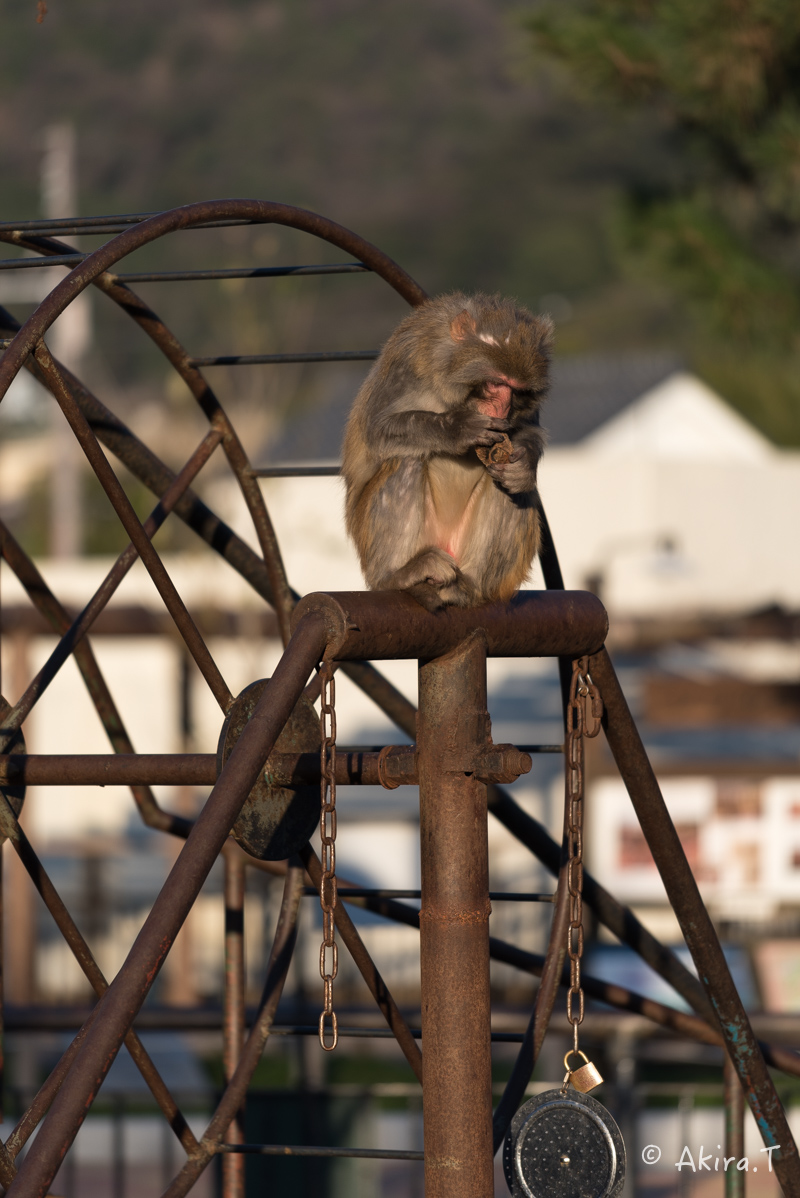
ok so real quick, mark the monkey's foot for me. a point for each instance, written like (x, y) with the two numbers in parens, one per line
(432, 578)
(427, 596)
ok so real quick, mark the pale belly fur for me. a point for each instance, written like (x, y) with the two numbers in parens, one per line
(453, 485)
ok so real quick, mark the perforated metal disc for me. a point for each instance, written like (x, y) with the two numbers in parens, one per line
(275, 821)
(564, 1145)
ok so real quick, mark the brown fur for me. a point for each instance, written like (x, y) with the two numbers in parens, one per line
(425, 514)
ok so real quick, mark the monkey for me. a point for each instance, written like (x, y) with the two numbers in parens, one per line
(461, 376)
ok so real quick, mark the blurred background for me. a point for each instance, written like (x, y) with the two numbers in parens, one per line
(633, 168)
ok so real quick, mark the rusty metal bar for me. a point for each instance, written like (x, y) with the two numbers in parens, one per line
(454, 925)
(109, 769)
(277, 968)
(190, 276)
(734, 1129)
(296, 471)
(372, 625)
(233, 1025)
(698, 930)
(354, 355)
(369, 1154)
(127, 992)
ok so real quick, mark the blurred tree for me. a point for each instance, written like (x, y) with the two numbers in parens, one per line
(720, 221)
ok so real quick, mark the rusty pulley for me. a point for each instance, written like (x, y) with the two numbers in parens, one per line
(275, 821)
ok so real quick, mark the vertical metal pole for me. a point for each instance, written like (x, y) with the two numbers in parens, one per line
(454, 926)
(734, 1129)
(2, 996)
(233, 1162)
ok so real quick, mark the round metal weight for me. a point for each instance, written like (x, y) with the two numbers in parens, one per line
(275, 821)
(14, 794)
(564, 1145)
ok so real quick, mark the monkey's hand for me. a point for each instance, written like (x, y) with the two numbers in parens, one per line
(518, 474)
(466, 429)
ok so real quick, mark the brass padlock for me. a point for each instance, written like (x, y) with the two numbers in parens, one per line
(586, 1077)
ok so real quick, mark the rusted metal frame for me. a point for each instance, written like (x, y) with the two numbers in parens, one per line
(535, 1032)
(353, 768)
(277, 969)
(696, 926)
(132, 525)
(192, 216)
(368, 970)
(384, 625)
(109, 769)
(111, 719)
(734, 1129)
(120, 1005)
(694, 1027)
(233, 1013)
(454, 924)
(150, 323)
(154, 474)
(10, 828)
(78, 628)
(74, 631)
(30, 1119)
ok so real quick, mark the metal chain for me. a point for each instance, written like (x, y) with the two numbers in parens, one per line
(329, 952)
(580, 723)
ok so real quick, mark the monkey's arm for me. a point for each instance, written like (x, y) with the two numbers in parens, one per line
(417, 432)
(518, 474)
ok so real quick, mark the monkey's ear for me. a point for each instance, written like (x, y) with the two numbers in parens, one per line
(462, 325)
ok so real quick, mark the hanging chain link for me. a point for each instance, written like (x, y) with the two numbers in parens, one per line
(328, 952)
(584, 713)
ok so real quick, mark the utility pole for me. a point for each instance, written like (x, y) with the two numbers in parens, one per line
(68, 338)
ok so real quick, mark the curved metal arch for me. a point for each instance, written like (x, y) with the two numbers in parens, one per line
(192, 216)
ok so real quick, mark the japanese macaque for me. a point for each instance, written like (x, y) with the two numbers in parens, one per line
(438, 502)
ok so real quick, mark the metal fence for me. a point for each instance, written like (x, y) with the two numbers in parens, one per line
(459, 771)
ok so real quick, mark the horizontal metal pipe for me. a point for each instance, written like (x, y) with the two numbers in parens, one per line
(495, 896)
(296, 471)
(366, 625)
(181, 276)
(32, 263)
(63, 223)
(371, 1154)
(246, 272)
(356, 355)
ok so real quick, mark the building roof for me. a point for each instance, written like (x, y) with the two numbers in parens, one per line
(623, 402)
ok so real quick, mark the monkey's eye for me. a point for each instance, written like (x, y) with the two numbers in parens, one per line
(529, 394)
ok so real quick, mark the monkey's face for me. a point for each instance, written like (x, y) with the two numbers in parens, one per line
(495, 396)
(502, 357)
